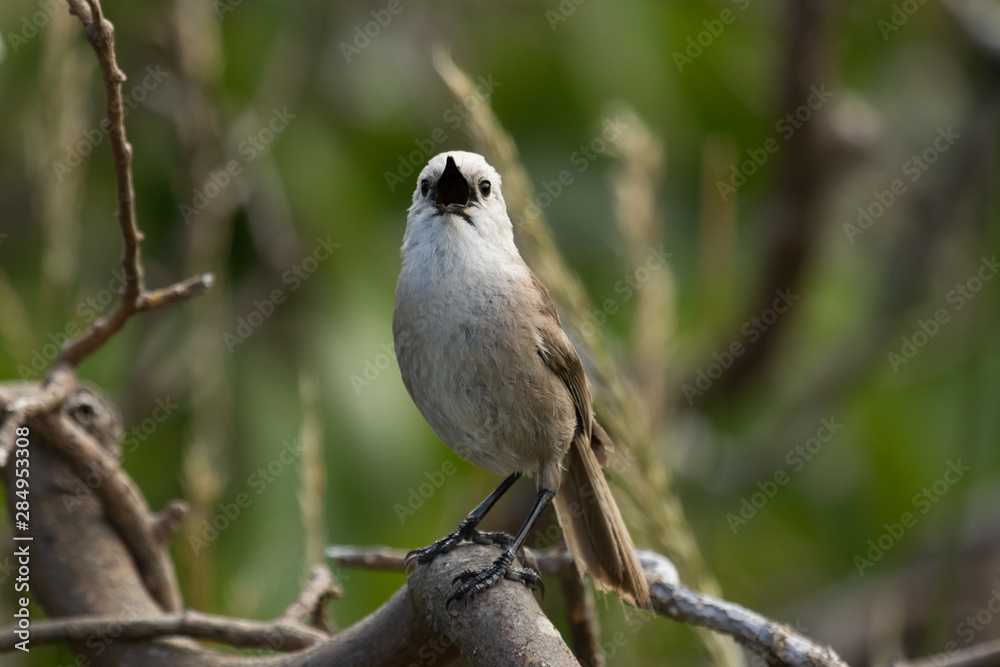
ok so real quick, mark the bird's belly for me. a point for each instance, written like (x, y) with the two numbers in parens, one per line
(476, 377)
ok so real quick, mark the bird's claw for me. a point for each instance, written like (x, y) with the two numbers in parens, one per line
(527, 576)
(475, 582)
(427, 554)
(444, 545)
(502, 540)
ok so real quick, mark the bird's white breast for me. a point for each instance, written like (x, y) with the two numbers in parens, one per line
(468, 359)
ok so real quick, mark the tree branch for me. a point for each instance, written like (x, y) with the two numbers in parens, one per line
(123, 503)
(237, 632)
(503, 627)
(777, 643)
(773, 641)
(312, 602)
(89, 581)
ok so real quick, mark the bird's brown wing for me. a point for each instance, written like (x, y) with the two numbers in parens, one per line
(559, 355)
(591, 522)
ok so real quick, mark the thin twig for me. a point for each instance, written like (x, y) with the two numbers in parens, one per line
(168, 520)
(311, 603)
(101, 35)
(182, 291)
(237, 632)
(368, 558)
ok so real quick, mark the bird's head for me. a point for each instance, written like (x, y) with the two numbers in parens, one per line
(460, 192)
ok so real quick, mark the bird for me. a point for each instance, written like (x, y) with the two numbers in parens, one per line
(484, 357)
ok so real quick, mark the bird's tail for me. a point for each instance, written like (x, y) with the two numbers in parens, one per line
(592, 525)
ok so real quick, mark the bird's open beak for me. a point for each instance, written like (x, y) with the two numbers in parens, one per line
(452, 188)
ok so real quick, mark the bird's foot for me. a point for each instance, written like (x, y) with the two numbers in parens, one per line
(475, 582)
(502, 540)
(427, 554)
(464, 533)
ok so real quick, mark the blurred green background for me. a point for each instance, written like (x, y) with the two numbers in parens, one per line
(324, 126)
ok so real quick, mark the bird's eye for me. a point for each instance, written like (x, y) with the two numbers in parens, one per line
(425, 187)
(485, 188)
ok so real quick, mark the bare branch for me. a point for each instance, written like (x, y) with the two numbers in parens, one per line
(505, 627)
(168, 520)
(176, 293)
(123, 503)
(237, 632)
(368, 558)
(775, 642)
(312, 601)
(101, 35)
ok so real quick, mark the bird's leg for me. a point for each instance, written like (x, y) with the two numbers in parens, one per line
(466, 530)
(477, 581)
